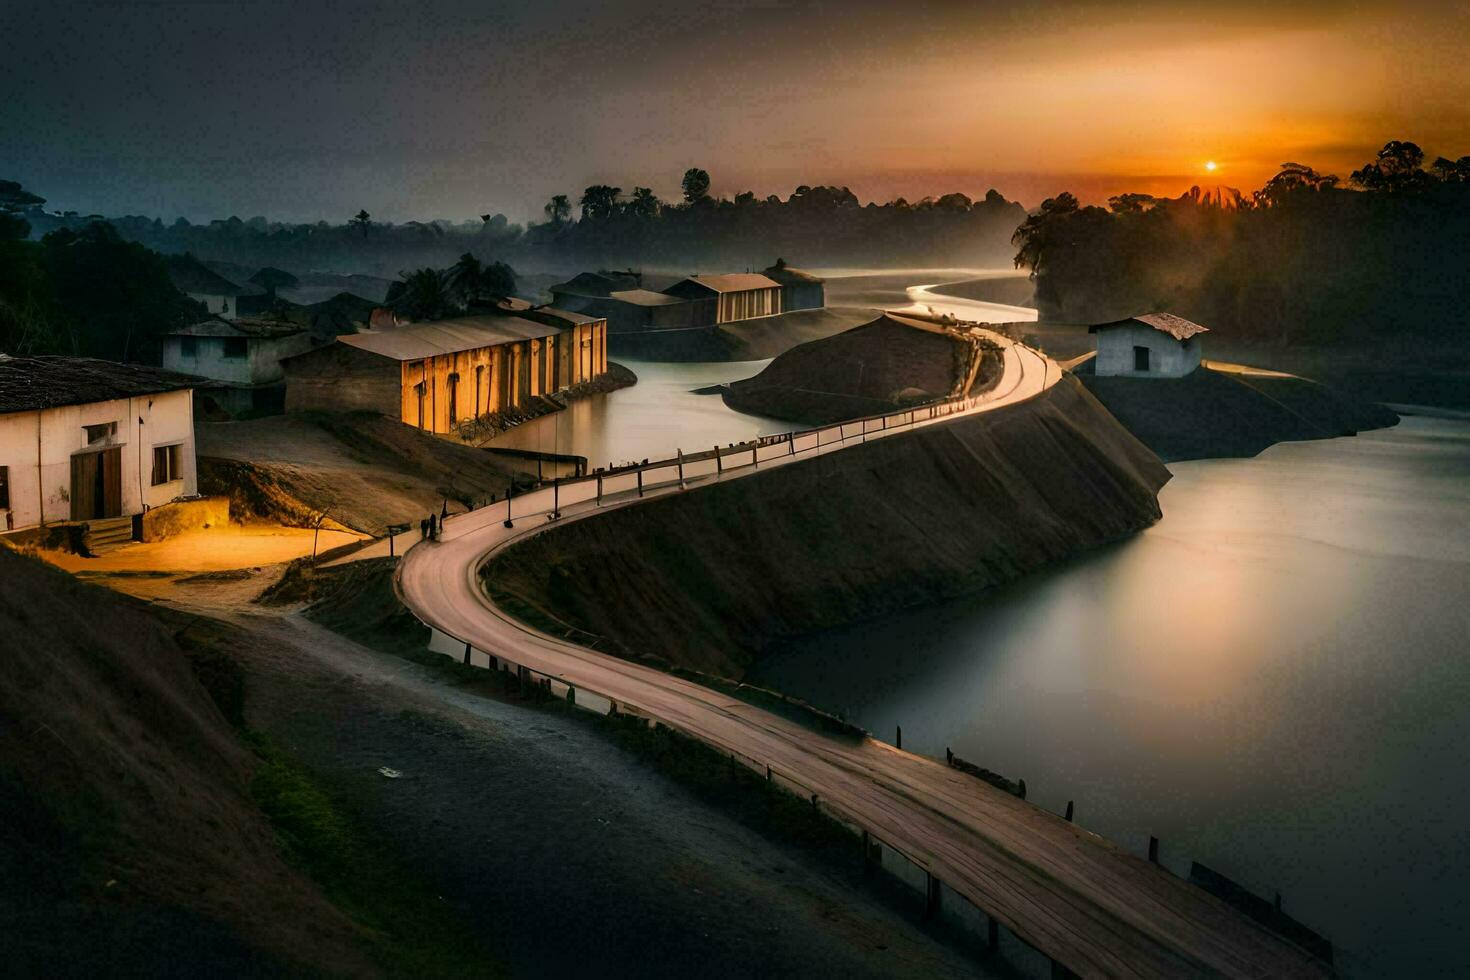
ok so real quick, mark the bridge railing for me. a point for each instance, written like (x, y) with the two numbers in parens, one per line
(682, 468)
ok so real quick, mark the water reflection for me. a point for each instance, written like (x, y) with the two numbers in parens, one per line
(1273, 680)
(650, 420)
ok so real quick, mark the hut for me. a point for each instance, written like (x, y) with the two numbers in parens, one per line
(800, 290)
(1150, 345)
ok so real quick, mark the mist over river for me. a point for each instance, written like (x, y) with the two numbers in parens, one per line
(1274, 680)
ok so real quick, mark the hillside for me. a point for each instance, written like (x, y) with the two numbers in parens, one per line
(744, 340)
(709, 579)
(1219, 412)
(129, 842)
(366, 471)
(883, 365)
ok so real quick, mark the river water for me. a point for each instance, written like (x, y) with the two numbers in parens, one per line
(1274, 680)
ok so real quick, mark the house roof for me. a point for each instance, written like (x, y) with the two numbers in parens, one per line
(646, 297)
(732, 282)
(189, 275)
(31, 383)
(1175, 326)
(787, 275)
(264, 327)
(413, 341)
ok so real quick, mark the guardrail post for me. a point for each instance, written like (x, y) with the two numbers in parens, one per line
(898, 738)
(556, 496)
(681, 467)
(719, 463)
(640, 483)
(1069, 811)
(1153, 849)
(599, 489)
(467, 654)
(791, 443)
(754, 459)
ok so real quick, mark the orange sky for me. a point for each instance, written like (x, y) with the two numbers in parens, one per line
(452, 108)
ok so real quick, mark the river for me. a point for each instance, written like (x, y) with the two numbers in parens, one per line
(1273, 680)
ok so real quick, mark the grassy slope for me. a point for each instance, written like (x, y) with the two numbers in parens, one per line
(708, 579)
(130, 839)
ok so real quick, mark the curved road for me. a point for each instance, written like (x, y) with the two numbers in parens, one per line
(1078, 898)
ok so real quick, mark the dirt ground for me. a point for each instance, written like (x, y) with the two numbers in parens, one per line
(213, 550)
(568, 852)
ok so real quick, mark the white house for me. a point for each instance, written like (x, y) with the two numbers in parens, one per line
(83, 439)
(245, 354)
(1153, 345)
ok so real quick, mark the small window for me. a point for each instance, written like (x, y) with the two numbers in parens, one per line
(166, 467)
(236, 348)
(1140, 359)
(188, 346)
(4, 488)
(101, 433)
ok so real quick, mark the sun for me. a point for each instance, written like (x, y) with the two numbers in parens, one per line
(1210, 165)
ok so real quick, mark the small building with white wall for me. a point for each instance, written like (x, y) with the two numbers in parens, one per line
(220, 296)
(244, 354)
(85, 440)
(1151, 345)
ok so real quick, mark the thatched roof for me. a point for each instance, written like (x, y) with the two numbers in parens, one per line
(31, 383)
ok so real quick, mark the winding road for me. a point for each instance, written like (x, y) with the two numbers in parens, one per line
(1076, 897)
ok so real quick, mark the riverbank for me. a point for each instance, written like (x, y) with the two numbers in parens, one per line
(708, 580)
(1226, 411)
(755, 339)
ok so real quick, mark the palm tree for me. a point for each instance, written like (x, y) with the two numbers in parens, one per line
(467, 277)
(362, 221)
(422, 295)
(559, 210)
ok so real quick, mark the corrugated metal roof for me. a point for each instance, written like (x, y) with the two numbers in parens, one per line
(734, 282)
(1175, 326)
(30, 383)
(418, 340)
(646, 297)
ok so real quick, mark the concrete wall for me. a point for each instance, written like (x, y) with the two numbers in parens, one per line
(44, 494)
(261, 365)
(342, 378)
(1168, 358)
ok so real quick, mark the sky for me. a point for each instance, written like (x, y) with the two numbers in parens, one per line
(311, 109)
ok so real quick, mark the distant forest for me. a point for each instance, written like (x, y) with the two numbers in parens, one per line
(605, 227)
(1303, 260)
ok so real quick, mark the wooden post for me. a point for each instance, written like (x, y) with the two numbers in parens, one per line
(467, 654)
(754, 448)
(791, 443)
(556, 496)
(948, 756)
(898, 738)
(1069, 811)
(640, 483)
(1153, 849)
(680, 453)
(1021, 785)
(599, 489)
(719, 463)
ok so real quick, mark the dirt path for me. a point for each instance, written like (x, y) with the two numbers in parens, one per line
(570, 852)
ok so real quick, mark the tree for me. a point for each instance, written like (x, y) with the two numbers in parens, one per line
(1038, 230)
(1452, 171)
(559, 210)
(644, 203)
(1290, 181)
(13, 227)
(465, 277)
(362, 221)
(424, 294)
(599, 201)
(1395, 170)
(14, 198)
(696, 185)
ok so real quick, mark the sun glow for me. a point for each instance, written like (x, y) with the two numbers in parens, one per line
(1210, 165)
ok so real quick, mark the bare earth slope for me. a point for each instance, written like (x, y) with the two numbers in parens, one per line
(709, 579)
(129, 842)
(367, 471)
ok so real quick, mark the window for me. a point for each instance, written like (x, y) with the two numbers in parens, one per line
(102, 432)
(166, 467)
(4, 488)
(236, 348)
(1140, 359)
(188, 346)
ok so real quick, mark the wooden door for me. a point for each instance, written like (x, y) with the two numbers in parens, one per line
(96, 485)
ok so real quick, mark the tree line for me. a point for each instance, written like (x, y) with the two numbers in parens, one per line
(1307, 258)
(606, 227)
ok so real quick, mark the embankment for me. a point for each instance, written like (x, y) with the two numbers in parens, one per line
(129, 838)
(744, 340)
(709, 579)
(1223, 413)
